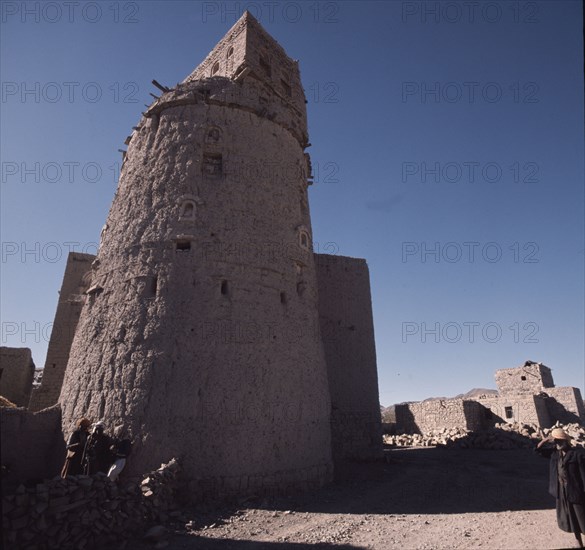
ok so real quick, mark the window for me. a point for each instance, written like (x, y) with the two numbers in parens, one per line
(304, 240)
(509, 412)
(215, 68)
(188, 210)
(283, 297)
(153, 286)
(212, 164)
(230, 52)
(183, 245)
(224, 288)
(523, 378)
(213, 135)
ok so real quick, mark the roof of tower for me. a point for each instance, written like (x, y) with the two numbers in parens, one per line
(245, 48)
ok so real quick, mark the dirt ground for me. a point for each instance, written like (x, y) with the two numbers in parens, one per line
(424, 498)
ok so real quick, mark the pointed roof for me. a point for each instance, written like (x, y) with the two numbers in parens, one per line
(245, 45)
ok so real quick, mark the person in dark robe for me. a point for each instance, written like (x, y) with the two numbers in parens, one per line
(121, 450)
(97, 456)
(566, 480)
(75, 446)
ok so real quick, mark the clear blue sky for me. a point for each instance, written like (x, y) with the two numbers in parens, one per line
(448, 146)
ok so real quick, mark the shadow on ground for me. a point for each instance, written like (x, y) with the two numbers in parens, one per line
(441, 481)
(432, 481)
(410, 481)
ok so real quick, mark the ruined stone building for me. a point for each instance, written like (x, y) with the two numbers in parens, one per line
(526, 395)
(17, 371)
(71, 298)
(206, 325)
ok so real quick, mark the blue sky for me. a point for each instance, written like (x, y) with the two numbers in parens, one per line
(447, 144)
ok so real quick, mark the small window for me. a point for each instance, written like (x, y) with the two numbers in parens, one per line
(523, 378)
(183, 244)
(153, 286)
(230, 52)
(304, 240)
(224, 288)
(212, 164)
(213, 135)
(283, 297)
(215, 68)
(265, 66)
(188, 210)
(509, 412)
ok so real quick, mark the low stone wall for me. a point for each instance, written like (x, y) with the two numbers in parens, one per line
(86, 511)
(18, 371)
(502, 436)
(32, 445)
(436, 414)
(565, 404)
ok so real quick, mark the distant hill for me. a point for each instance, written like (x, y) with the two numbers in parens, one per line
(476, 392)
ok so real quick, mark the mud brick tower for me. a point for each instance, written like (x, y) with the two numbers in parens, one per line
(201, 328)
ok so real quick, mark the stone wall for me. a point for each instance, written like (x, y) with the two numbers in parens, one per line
(86, 511)
(520, 408)
(17, 372)
(347, 331)
(32, 445)
(437, 414)
(531, 378)
(565, 404)
(76, 281)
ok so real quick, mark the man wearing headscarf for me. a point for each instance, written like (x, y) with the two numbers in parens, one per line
(566, 480)
(97, 456)
(75, 447)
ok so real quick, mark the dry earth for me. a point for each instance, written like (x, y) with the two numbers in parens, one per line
(423, 498)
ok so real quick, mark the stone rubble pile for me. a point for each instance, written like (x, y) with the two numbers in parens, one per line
(85, 512)
(501, 436)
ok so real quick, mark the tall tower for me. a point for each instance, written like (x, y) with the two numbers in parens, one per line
(200, 331)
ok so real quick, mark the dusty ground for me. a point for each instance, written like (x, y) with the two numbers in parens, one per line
(419, 499)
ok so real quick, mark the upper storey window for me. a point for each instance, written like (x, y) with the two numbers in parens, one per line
(230, 52)
(215, 68)
(212, 164)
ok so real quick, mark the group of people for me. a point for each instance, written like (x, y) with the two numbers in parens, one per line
(93, 451)
(90, 450)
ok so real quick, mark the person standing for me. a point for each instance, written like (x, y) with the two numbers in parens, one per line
(121, 450)
(97, 456)
(566, 480)
(75, 446)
